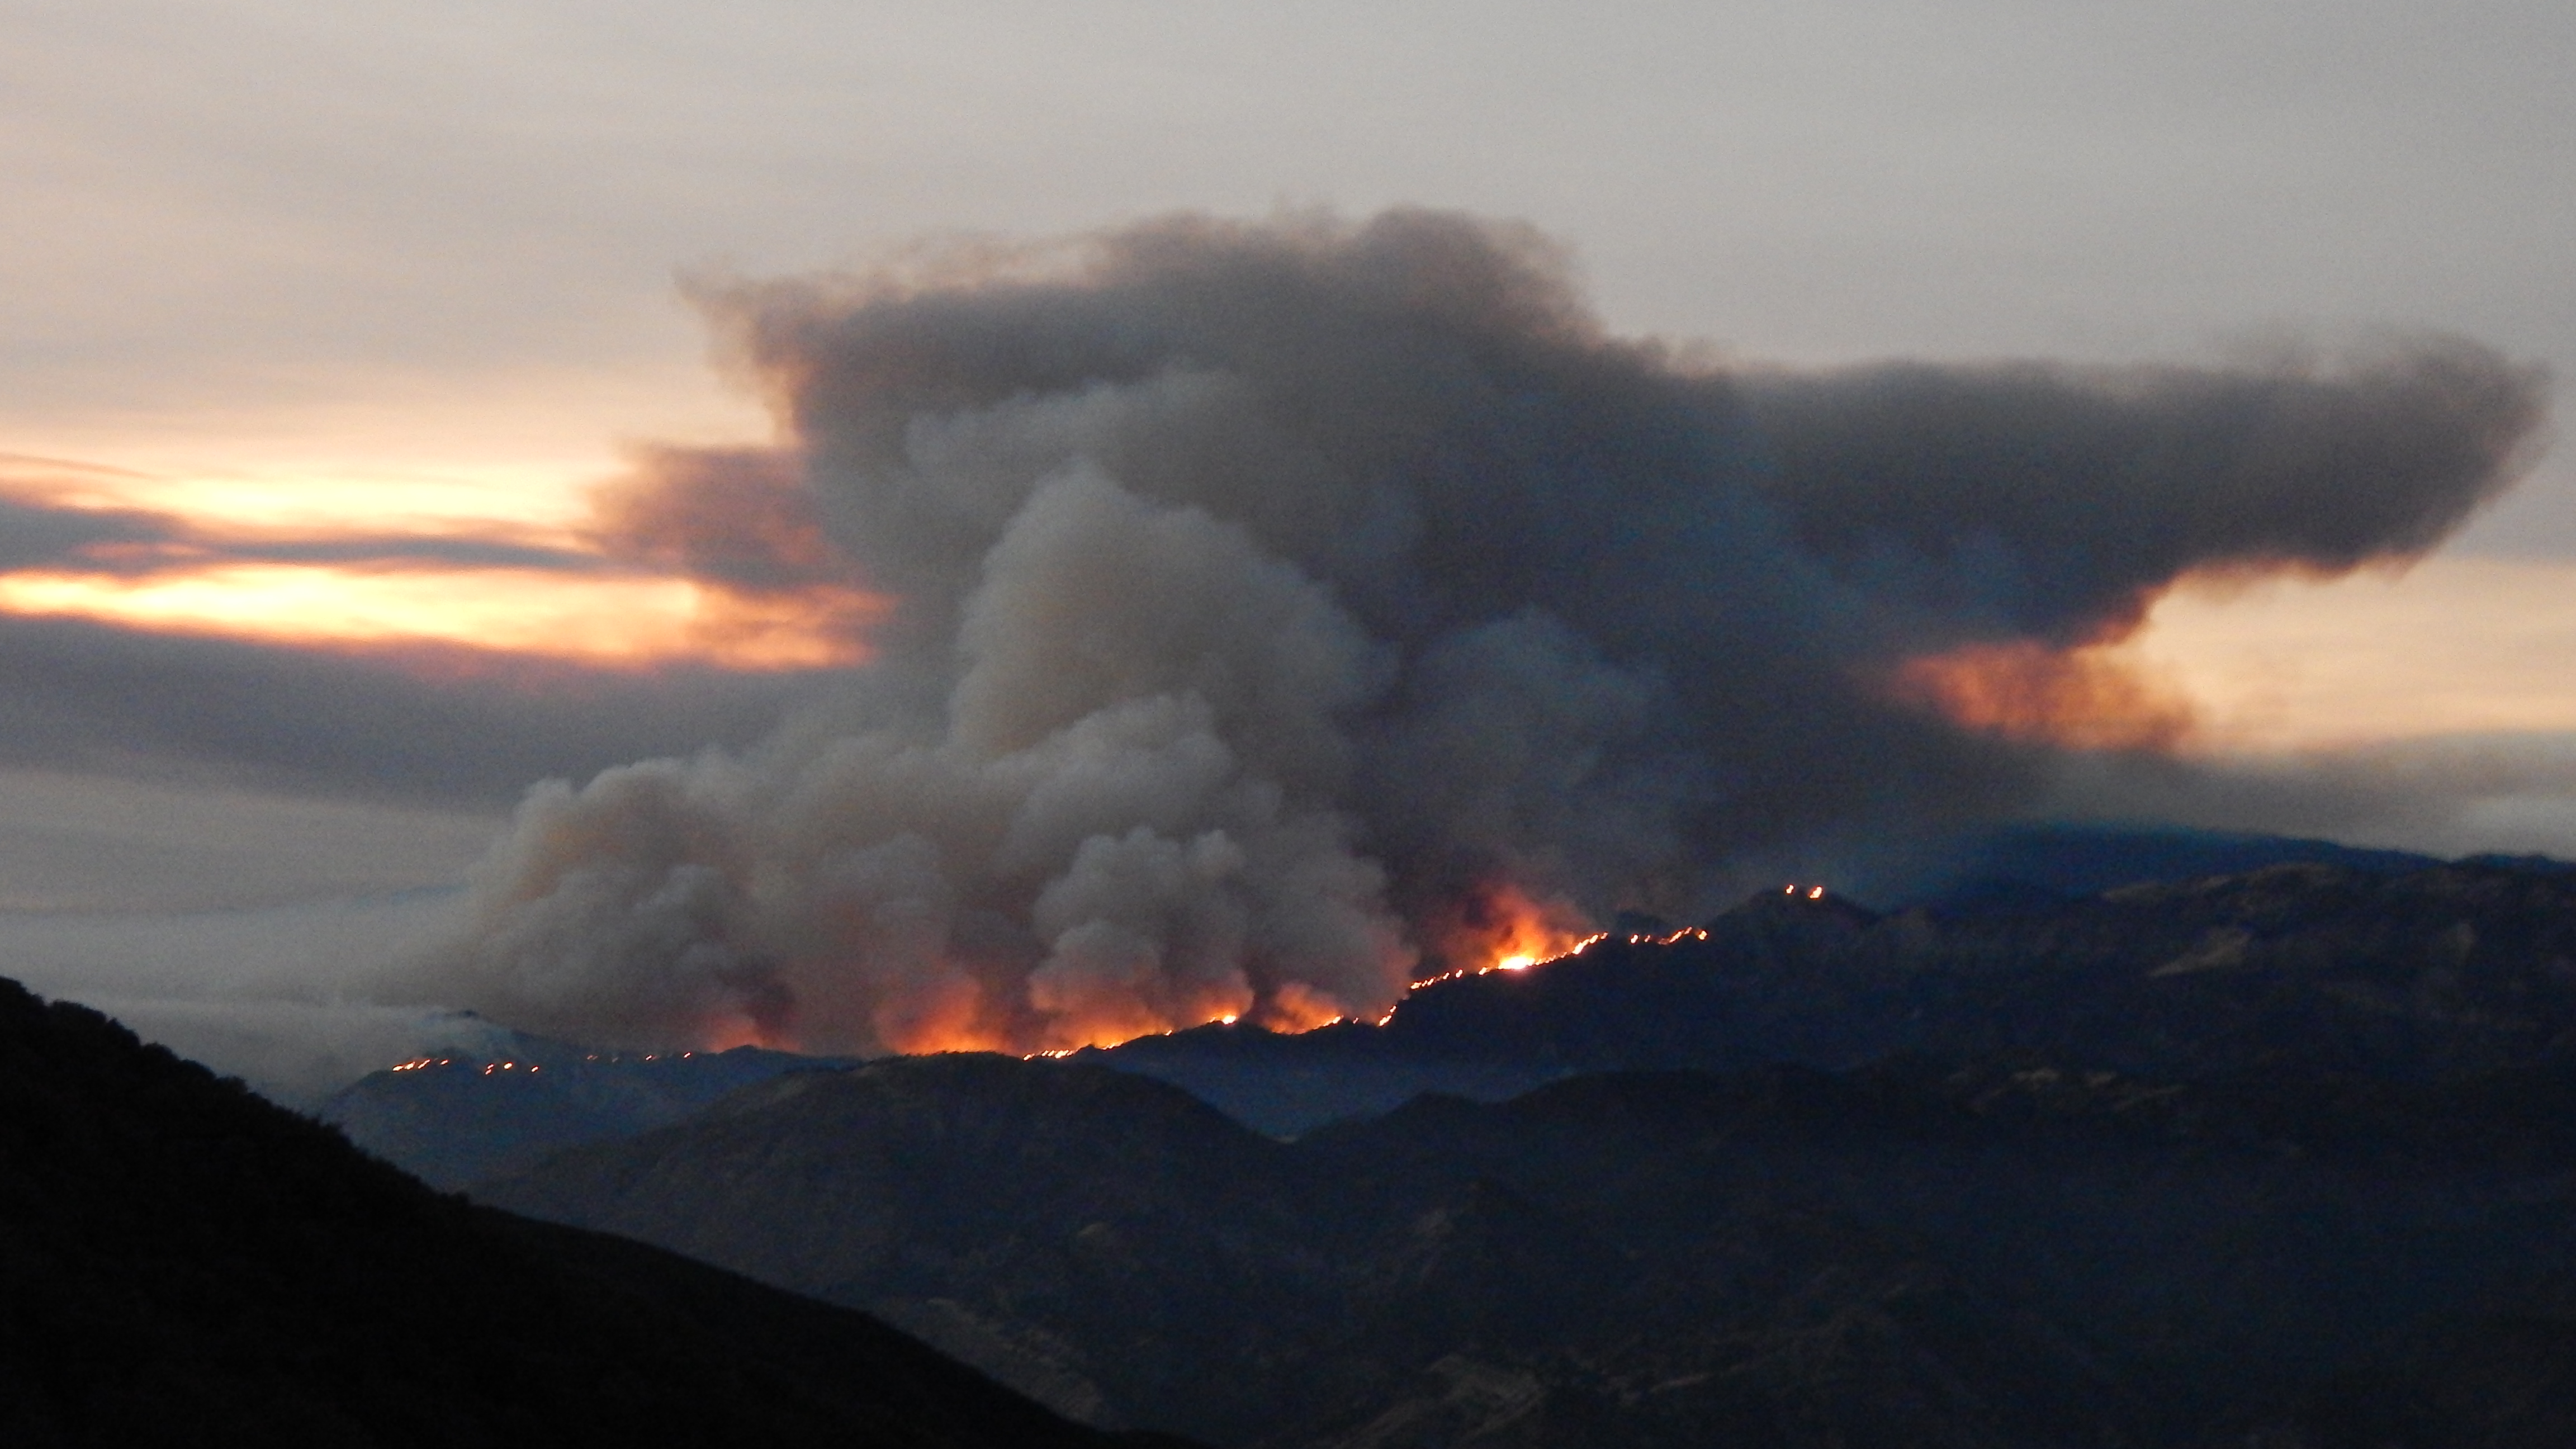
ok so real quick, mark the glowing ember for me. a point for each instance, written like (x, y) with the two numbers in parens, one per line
(1669, 938)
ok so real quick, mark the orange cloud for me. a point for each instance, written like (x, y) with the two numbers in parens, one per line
(277, 564)
(2455, 645)
(2086, 698)
(528, 505)
(598, 619)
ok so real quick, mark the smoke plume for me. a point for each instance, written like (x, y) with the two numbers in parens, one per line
(1283, 612)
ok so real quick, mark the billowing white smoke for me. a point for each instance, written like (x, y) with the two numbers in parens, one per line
(1130, 804)
(1282, 611)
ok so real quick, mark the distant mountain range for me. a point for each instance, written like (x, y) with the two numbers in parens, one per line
(2043, 862)
(1915, 1254)
(453, 1119)
(182, 1263)
(2284, 1156)
(2316, 969)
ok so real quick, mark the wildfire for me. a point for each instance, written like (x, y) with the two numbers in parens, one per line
(1572, 946)
(962, 1012)
(500, 1067)
(1296, 1008)
(1501, 928)
(1670, 938)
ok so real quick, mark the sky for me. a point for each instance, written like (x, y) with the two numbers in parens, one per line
(325, 326)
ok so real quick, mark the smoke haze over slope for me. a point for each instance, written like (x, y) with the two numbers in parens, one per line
(1282, 612)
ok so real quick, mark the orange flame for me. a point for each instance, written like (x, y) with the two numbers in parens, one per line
(2084, 698)
(1501, 927)
(946, 1016)
(1497, 926)
(963, 1017)
(1298, 1007)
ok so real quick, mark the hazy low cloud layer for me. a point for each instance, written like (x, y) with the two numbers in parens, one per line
(445, 726)
(90, 843)
(2449, 795)
(283, 996)
(1281, 606)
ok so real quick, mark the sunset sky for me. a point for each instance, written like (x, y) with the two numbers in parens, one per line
(325, 324)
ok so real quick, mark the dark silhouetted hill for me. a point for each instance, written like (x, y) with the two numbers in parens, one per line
(182, 1263)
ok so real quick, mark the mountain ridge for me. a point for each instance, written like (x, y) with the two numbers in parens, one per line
(2451, 968)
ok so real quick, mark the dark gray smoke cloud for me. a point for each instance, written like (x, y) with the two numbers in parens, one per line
(1279, 604)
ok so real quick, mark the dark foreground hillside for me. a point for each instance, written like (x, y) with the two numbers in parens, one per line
(182, 1263)
(1997, 1256)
